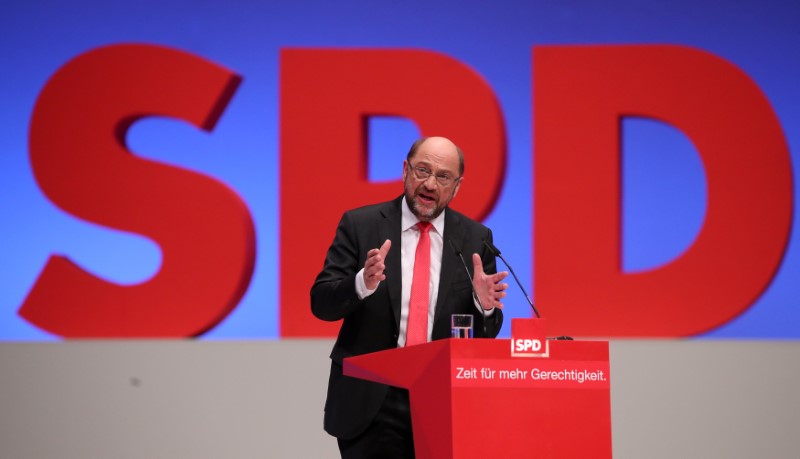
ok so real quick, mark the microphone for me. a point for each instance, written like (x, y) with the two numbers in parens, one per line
(472, 286)
(496, 252)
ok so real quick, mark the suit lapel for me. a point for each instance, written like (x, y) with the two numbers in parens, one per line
(389, 228)
(451, 263)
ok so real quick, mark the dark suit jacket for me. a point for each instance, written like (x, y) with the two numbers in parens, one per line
(373, 324)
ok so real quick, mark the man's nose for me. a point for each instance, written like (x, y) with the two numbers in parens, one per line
(431, 179)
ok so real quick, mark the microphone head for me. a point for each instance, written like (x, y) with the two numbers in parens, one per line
(491, 248)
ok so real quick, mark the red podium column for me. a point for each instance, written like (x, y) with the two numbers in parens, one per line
(471, 399)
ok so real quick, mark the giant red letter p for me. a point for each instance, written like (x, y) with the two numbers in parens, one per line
(326, 98)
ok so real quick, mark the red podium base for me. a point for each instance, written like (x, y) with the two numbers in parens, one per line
(471, 399)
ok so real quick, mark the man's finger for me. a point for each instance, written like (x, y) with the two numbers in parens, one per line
(477, 265)
(372, 260)
(500, 287)
(387, 244)
(497, 277)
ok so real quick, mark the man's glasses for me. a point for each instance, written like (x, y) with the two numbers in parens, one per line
(422, 173)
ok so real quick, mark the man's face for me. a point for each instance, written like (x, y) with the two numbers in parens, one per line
(427, 198)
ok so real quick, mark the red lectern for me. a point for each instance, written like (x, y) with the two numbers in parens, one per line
(471, 398)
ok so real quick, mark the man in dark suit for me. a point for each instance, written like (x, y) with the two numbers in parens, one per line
(378, 252)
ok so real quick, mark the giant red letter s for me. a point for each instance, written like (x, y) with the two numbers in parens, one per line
(326, 98)
(80, 161)
(580, 96)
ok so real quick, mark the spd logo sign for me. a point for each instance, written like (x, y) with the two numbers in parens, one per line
(528, 338)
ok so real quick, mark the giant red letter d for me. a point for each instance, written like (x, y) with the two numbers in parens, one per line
(581, 95)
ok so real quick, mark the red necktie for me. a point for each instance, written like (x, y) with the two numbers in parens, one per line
(417, 329)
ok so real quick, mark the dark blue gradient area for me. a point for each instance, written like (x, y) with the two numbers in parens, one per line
(663, 180)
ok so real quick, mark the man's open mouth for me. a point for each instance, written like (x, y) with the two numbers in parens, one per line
(426, 198)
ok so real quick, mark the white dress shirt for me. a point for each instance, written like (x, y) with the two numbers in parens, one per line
(409, 237)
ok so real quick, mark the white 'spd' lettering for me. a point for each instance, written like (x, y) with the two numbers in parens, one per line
(527, 345)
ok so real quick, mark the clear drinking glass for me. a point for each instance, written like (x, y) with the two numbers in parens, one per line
(461, 325)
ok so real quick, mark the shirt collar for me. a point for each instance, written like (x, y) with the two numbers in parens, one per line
(409, 219)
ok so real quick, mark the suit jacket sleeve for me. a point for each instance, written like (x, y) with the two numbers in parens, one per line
(333, 295)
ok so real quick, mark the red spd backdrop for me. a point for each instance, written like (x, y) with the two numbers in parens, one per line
(327, 96)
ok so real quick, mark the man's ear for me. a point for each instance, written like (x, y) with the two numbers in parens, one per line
(458, 185)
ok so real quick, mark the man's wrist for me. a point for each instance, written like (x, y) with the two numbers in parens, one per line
(361, 286)
(485, 312)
